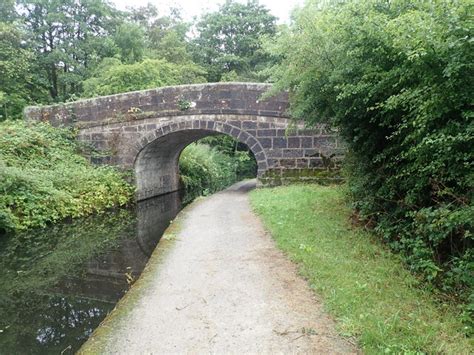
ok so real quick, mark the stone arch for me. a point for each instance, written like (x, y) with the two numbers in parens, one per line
(157, 153)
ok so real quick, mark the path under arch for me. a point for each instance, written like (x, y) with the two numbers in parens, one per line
(221, 286)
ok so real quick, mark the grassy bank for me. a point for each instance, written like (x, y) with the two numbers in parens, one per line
(44, 178)
(367, 288)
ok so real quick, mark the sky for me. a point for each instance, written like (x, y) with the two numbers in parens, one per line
(191, 8)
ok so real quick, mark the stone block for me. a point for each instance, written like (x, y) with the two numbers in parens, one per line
(265, 142)
(210, 124)
(306, 142)
(266, 133)
(275, 153)
(294, 142)
(293, 153)
(281, 132)
(249, 125)
(250, 141)
(279, 142)
(260, 157)
(236, 123)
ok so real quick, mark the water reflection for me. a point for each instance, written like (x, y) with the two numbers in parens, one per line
(58, 284)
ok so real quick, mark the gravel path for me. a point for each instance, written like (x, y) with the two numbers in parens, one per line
(223, 287)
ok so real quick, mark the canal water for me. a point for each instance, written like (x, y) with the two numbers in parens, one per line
(57, 284)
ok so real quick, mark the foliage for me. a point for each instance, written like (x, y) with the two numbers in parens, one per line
(364, 285)
(114, 77)
(68, 37)
(14, 65)
(7, 11)
(245, 163)
(16, 76)
(165, 35)
(230, 39)
(43, 178)
(395, 78)
(56, 50)
(205, 169)
(130, 39)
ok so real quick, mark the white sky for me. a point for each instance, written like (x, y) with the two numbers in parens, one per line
(190, 8)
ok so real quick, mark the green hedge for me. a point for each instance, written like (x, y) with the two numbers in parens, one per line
(205, 170)
(396, 78)
(43, 178)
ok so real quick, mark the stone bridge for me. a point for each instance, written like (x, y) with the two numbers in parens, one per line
(147, 130)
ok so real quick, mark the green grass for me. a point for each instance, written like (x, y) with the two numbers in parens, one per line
(363, 285)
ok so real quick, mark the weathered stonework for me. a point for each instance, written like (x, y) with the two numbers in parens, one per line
(147, 130)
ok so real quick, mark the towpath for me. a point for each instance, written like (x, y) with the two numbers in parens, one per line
(222, 286)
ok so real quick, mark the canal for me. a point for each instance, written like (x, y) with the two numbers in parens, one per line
(57, 284)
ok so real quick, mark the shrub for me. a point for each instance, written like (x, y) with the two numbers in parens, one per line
(396, 78)
(112, 77)
(205, 169)
(43, 178)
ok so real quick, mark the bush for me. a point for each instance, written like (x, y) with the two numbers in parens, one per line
(112, 77)
(396, 78)
(245, 163)
(205, 169)
(43, 178)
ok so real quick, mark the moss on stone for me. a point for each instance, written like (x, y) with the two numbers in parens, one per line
(276, 177)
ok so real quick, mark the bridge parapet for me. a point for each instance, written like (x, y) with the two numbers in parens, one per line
(184, 100)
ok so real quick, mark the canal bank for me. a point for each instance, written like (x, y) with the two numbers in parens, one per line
(217, 283)
(58, 283)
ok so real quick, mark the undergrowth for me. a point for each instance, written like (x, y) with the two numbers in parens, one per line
(43, 178)
(205, 169)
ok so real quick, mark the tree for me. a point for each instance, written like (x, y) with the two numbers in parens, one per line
(165, 36)
(18, 85)
(396, 78)
(113, 77)
(231, 39)
(130, 39)
(7, 11)
(69, 37)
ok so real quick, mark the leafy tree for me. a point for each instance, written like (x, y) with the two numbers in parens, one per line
(230, 39)
(130, 39)
(143, 15)
(245, 165)
(68, 37)
(7, 11)
(165, 35)
(113, 77)
(170, 45)
(17, 83)
(396, 78)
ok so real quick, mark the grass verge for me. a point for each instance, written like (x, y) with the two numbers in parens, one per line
(362, 284)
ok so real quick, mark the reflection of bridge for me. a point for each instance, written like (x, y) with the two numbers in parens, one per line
(147, 130)
(104, 277)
